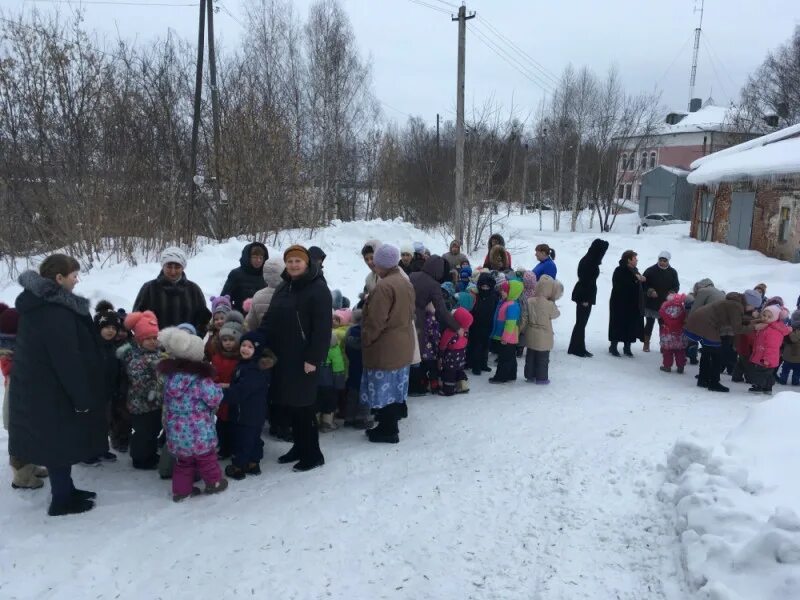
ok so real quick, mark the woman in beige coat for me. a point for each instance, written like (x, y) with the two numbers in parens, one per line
(537, 323)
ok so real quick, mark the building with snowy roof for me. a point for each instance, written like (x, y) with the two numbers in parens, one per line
(665, 190)
(748, 195)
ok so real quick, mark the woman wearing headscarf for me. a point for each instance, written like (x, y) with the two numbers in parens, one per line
(584, 295)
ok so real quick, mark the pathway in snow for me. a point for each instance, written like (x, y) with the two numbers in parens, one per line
(508, 492)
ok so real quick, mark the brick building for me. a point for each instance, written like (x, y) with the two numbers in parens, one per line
(748, 195)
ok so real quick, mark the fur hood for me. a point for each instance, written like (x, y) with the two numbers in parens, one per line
(173, 366)
(49, 291)
(267, 359)
(498, 252)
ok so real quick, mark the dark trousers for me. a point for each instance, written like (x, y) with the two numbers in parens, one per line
(763, 377)
(649, 324)
(709, 365)
(120, 425)
(478, 354)
(61, 485)
(741, 372)
(144, 440)
(423, 377)
(577, 343)
(691, 352)
(537, 363)
(453, 362)
(727, 355)
(786, 369)
(248, 447)
(305, 432)
(224, 437)
(506, 362)
(327, 399)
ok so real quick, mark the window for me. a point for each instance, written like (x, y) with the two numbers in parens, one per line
(639, 192)
(643, 164)
(621, 191)
(652, 160)
(784, 224)
(628, 187)
(624, 164)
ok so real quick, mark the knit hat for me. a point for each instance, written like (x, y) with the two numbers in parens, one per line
(144, 325)
(665, 254)
(316, 253)
(345, 315)
(255, 337)
(173, 254)
(9, 321)
(233, 327)
(465, 273)
(188, 328)
(795, 319)
(181, 344)
(504, 286)
(107, 318)
(406, 249)
(419, 247)
(297, 251)
(774, 301)
(220, 304)
(771, 313)
(272, 272)
(466, 300)
(386, 256)
(752, 298)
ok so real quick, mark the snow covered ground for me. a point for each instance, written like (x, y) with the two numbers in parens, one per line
(512, 492)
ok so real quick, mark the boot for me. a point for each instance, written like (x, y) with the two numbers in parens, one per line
(216, 488)
(235, 472)
(612, 350)
(462, 387)
(291, 456)
(646, 346)
(679, 370)
(254, 468)
(626, 350)
(83, 494)
(25, 478)
(73, 507)
(326, 423)
(40, 471)
(717, 387)
(386, 432)
(668, 369)
(181, 497)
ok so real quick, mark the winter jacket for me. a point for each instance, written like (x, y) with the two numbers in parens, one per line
(272, 277)
(58, 377)
(707, 321)
(506, 320)
(545, 267)
(454, 260)
(172, 303)
(498, 255)
(352, 348)
(450, 339)
(144, 386)
(7, 343)
(537, 319)
(387, 340)
(224, 364)
(190, 400)
(791, 347)
(662, 281)
(298, 327)
(431, 336)
(245, 280)
(673, 320)
(585, 289)
(705, 293)
(248, 393)
(767, 344)
(335, 358)
(496, 237)
(625, 322)
(484, 310)
(112, 371)
(427, 289)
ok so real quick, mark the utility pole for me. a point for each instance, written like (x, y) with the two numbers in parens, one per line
(437, 135)
(524, 181)
(462, 37)
(212, 69)
(198, 96)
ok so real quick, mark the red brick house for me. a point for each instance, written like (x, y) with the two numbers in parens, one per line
(749, 195)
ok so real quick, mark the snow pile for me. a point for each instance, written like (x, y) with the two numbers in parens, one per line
(737, 507)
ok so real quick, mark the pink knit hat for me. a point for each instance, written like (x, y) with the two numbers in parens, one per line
(143, 325)
(345, 315)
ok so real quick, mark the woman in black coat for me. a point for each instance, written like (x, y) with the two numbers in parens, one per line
(246, 279)
(297, 327)
(584, 295)
(660, 280)
(627, 305)
(57, 391)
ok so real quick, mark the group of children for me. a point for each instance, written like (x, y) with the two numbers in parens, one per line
(766, 350)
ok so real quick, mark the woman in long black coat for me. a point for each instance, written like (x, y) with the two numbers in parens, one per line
(298, 326)
(56, 394)
(627, 305)
(584, 295)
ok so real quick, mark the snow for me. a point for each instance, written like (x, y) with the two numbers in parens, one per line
(547, 493)
(775, 136)
(673, 170)
(737, 506)
(708, 118)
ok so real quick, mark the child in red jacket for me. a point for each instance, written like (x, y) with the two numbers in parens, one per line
(453, 355)
(673, 344)
(224, 356)
(767, 348)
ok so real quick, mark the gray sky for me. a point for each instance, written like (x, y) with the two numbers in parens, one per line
(413, 48)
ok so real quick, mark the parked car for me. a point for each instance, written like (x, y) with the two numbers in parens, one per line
(655, 219)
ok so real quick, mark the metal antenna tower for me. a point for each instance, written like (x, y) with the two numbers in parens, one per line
(697, 33)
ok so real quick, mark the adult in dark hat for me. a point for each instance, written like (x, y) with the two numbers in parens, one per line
(246, 279)
(584, 295)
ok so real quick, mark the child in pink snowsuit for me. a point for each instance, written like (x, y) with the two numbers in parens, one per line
(190, 400)
(673, 343)
(453, 354)
(767, 348)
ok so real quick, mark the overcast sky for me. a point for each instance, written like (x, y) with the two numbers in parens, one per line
(413, 48)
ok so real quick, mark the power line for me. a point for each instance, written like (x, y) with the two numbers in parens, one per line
(231, 15)
(536, 64)
(716, 73)
(674, 60)
(111, 3)
(431, 6)
(715, 56)
(513, 62)
(454, 6)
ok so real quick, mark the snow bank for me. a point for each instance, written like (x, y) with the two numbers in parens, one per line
(737, 506)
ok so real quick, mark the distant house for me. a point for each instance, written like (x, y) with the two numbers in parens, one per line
(684, 137)
(665, 190)
(748, 195)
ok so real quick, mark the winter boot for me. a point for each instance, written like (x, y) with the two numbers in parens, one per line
(756, 389)
(40, 471)
(626, 350)
(462, 387)
(73, 507)
(668, 369)
(679, 370)
(25, 478)
(646, 345)
(613, 351)
(181, 497)
(717, 387)
(292, 455)
(386, 432)
(216, 488)
(83, 494)
(326, 423)
(235, 472)
(254, 468)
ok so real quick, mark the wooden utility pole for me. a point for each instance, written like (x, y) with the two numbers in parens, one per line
(459, 203)
(524, 180)
(198, 96)
(212, 70)
(437, 135)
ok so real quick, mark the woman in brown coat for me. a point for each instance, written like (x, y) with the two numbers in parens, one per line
(387, 344)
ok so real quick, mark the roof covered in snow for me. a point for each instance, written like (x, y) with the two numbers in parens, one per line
(708, 118)
(774, 155)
